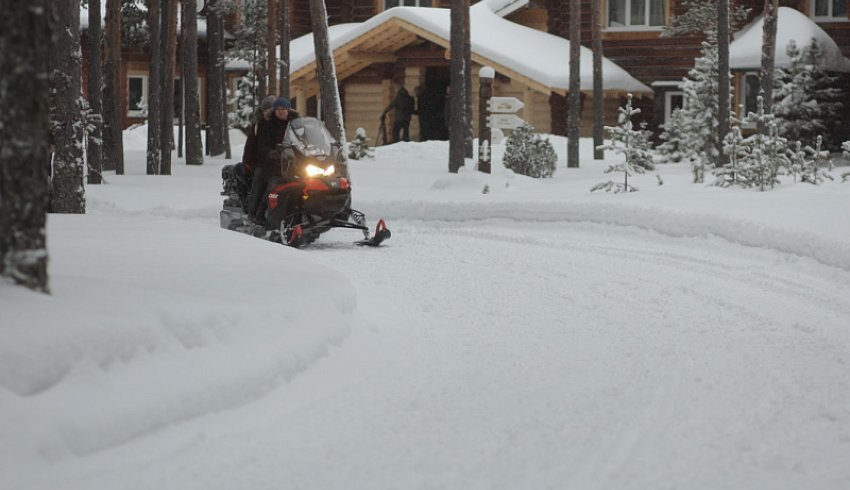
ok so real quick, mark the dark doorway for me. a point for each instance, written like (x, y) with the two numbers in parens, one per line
(431, 104)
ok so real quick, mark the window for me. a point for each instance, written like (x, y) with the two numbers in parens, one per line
(137, 95)
(388, 4)
(829, 9)
(636, 14)
(750, 90)
(672, 100)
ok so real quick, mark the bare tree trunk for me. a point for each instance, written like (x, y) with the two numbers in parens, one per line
(457, 99)
(24, 50)
(113, 143)
(95, 93)
(574, 102)
(68, 163)
(181, 62)
(768, 54)
(328, 87)
(285, 38)
(194, 144)
(154, 152)
(169, 43)
(723, 99)
(467, 78)
(215, 81)
(271, 42)
(598, 94)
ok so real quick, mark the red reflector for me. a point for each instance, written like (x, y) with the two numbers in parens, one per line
(343, 183)
(272, 201)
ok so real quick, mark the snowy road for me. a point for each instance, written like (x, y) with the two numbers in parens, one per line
(624, 359)
(590, 357)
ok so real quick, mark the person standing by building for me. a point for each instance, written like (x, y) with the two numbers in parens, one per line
(403, 106)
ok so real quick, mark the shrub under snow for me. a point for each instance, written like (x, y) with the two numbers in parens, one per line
(528, 153)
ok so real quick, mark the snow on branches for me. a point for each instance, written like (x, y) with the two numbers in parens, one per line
(631, 143)
(360, 146)
(528, 153)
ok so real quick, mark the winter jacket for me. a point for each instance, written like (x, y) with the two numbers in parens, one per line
(249, 154)
(269, 135)
(403, 105)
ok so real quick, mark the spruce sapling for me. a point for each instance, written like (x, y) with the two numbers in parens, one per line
(631, 143)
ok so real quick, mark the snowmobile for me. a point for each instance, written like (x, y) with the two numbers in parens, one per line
(309, 199)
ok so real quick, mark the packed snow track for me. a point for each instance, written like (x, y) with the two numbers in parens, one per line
(502, 355)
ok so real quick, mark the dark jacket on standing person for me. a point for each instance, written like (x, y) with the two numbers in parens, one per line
(403, 106)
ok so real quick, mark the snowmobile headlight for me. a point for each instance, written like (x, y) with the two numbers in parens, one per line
(316, 171)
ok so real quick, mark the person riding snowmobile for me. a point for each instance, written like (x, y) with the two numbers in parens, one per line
(268, 156)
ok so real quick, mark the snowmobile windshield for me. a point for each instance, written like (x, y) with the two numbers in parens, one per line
(309, 136)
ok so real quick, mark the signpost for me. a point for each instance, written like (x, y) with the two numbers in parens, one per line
(495, 114)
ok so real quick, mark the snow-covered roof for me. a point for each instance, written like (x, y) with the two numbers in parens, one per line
(541, 58)
(745, 50)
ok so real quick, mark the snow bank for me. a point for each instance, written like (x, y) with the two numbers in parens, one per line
(154, 323)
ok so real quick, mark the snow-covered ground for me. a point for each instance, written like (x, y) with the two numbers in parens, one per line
(536, 336)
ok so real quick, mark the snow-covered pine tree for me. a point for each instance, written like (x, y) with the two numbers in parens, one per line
(249, 45)
(812, 172)
(806, 98)
(735, 146)
(244, 100)
(691, 134)
(633, 144)
(528, 153)
(360, 146)
(767, 154)
(799, 159)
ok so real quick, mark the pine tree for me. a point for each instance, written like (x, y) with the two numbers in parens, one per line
(812, 172)
(360, 146)
(249, 45)
(736, 149)
(24, 161)
(528, 153)
(69, 164)
(807, 102)
(768, 152)
(633, 144)
(692, 133)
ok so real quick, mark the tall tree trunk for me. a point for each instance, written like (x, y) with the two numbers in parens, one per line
(154, 153)
(285, 38)
(68, 163)
(24, 50)
(194, 144)
(574, 101)
(768, 54)
(95, 93)
(169, 43)
(181, 62)
(328, 87)
(723, 82)
(457, 99)
(113, 127)
(467, 77)
(598, 94)
(271, 42)
(215, 82)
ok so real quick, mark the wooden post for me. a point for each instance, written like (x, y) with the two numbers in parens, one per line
(485, 91)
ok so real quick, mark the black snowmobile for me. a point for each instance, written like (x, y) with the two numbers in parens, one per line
(309, 199)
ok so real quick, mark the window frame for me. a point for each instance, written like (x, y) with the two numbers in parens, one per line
(668, 102)
(607, 27)
(829, 17)
(401, 4)
(132, 113)
(742, 101)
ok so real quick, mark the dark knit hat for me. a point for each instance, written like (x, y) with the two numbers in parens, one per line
(282, 102)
